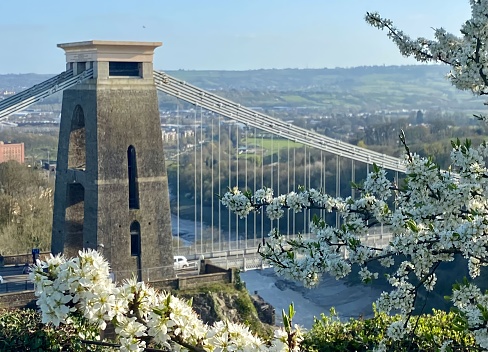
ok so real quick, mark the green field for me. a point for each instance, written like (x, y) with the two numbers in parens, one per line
(270, 145)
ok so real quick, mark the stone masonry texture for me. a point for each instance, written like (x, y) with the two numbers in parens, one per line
(99, 121)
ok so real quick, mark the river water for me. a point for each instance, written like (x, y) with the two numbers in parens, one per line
(186, 229)
(350, 301)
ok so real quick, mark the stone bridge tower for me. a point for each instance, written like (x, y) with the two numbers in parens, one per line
(111, 184)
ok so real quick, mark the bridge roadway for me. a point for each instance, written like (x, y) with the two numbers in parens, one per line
(246, 258)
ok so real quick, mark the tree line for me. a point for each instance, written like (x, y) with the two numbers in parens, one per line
(26, 202)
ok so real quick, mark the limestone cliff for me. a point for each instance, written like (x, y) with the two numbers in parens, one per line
(224, 302)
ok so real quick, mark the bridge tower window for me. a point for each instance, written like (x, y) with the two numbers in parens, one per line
(135, 246)
(132, 174)
(80, 67)
(135, 239)
(124, 69)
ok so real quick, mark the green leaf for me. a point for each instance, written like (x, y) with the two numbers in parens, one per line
(376, 168)
(412, 225)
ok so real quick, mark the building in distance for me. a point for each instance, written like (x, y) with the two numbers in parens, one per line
(11, 151)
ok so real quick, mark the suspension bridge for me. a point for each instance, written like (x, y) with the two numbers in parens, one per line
(218, 144)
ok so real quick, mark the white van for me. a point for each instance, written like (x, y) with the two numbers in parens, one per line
(180, 262)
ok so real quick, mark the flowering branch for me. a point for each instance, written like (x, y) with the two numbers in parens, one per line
(466, 54)
(141, 315)
(438, 214)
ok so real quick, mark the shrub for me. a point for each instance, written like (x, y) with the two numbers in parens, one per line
(23, 330)
(431, 331)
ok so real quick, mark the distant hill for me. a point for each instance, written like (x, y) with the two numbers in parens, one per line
(328, 80)
(22, 81)
(366, 88)
(355, 89)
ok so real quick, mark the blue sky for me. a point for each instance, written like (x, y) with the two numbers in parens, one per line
(220, 34)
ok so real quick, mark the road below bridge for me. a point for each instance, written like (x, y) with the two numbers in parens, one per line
(14, 279)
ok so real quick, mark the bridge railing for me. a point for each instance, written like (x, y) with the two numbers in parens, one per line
(252, 261)
(378, 237)
(15, 286)
(244, 263)
(212, 250)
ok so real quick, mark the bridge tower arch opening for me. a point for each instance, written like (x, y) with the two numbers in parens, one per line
(75, 191)
(111, 192)
(74, 220)
(135, 246)
(77, 140)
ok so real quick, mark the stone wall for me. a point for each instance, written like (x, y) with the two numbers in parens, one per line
(22, 299)
(108, 127)
(27, 298)
(193, 281)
